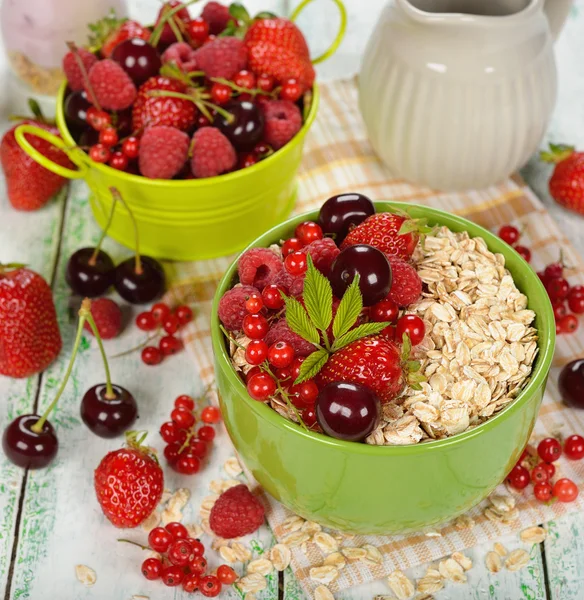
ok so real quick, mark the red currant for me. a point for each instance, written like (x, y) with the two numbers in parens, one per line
(131, 147)
(384, 311)
(558, 288)
(550, 468)
(543, 491)
(187, 464)
(549, 450)
(290, 246)
(210, 586)
(198, 30)
(171, 324)
(554, 270)
(198, 565)
(560, 309)
(576, 302)
(184, 314)
(108, 136)
(160, 311)
(568, 324)
(152, 568)
(565, 490)
(255, 326)
(272, 297)
(206, 433)
(184, 401)
(253, 371)
(172, 452)
(509, 234)
(245, 79)
(226, 574)
(247, 160)
(296, 263)
(119, 161)
(261, 386)
(305, 394)
(190, 583)
(169, 345)
(177, 530)
(281, 355)
(145, 321)
(198, 547)
(221, 93)
(254, 304)
(524, 252)
(151, 356)
(172, 576)
(98, 119)
(390, 332)
(295, 367)
(199, 448)
(169, 432)
(308, 232)
(309, 417)
(180, 553)
(159, 539)
(211, 414)
(539, 473)
(577, 290)
(291, 91)
(574, 447)
(266, 82)
(100, 153)
(413, 326)
(519, 477)
(256, 352)
(182, 417)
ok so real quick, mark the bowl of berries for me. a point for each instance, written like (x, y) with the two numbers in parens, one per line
(198, 122)
(380, 365)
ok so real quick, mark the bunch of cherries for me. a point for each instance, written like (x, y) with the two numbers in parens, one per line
(538, 468)
(186, 445)
(182, 562)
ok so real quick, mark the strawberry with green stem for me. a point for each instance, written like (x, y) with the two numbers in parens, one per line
(566, 184)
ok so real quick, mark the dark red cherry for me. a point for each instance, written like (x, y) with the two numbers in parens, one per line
(89, 137)
(373, 268)
(86, 279)
(138, 58)
(139, 288)
(27, 448)
(123, 123)
(247, 128)
(571, 383)
(340, 214)
(76, 106)
(106, 417)
(347, 411)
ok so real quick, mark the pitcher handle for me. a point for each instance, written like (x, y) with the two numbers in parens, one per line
(340, 34)
(47, 163)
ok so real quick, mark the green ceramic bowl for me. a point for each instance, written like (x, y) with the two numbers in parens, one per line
(394, 489)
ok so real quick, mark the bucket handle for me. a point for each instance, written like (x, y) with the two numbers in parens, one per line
(340, 34)
(47, 163)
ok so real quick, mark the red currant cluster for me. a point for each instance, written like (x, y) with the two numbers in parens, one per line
(183, 562)
(295, 260)
(388, 311)
(538, 468)
(187, 446)
(511, 235)
(161, 316)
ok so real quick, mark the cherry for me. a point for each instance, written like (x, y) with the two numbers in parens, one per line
(108, 415)
(171, 324)
(244, 126)
(549, 450)
(543, 491)
(558, 288)
(574, 447)
(145, 321)
(291, 90)
(576, 302)
(256, 352)
(340, 213)
(159, 539)
(90, 272)
(198, 30)
(539, 473)
(372, 267)
(184, 314)
(188, 463)
(131, 147)
(290, 246)
(226, 575)
(138, 58)
(272, 297)
(184, 401)
(524, 252)
(27, 447)
(518, 478)
(160, 311)
(190, 583)
(565, 490)
(177, 530)
(245, 79)
(152, 568)
(172, 576)
(296, 263)
(169, 432)
(206, 433)
(211, 414)
(281, 355)
(88, 138)
(385, 311)
(347, 411)
(151, 356)
(221, 93)
(568, 324)
(261, 386)
(254, 304)
(75, 108)
(265, 82)
(509, 234)
(169, 345)
(308, 232)
(183, 418)
(255, 326)
(210, 586)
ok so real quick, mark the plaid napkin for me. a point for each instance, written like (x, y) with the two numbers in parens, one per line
(338, 158)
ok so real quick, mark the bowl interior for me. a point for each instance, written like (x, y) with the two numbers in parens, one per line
(525, 278)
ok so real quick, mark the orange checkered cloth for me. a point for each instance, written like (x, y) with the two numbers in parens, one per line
(338, 158)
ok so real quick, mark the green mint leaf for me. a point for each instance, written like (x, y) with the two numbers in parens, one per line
(312, 364)
(239, 12)
(299, 322)
(318, 297)
(359, 332)
(406, 347)
(408, 227)
(349, 309)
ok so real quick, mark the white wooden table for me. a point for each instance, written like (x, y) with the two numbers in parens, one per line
(50, 521)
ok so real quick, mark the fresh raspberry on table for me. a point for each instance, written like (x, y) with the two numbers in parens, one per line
(323, 253)
(232, 309)
(217, 15)
(72, 70)
(163, 152)
(281, 332)
(182, 55)
(108, 318)
(282, 122)
(114, 90)
(237, 512)
(259, 267)
(213, 153)
(223, 57)
(293, 284)
(406, 287)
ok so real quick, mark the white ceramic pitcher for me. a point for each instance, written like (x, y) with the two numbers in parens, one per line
(457, 94)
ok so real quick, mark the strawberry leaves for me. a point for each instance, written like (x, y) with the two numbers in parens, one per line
(361, 331)
(312, 365)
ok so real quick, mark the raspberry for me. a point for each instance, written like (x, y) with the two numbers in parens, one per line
(217, 16)
(223, 57)
(232, 306)
(407, 285)
(213, 153)
(283, 122)
(182, 55)
(72, 70)
(280, 332)
(113, 88)
(323, 253)
(259, 267)
(107, 316)
(236, 513)
(294, 285)
(163, 152)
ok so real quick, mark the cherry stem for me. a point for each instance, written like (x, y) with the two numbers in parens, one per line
(90, 91)
(93, 258)
(38, 426)
(125, 541)
(109, 390)
(118, 197)
(157, 31)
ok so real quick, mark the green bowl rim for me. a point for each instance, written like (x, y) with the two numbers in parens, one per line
(538, 376)
(131, 178)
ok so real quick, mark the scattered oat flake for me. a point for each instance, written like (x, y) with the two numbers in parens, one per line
(166, 495)
(263, 566)
(179, 499)
(353, 553)
(295, 539)
(429, 584)
(336, 559)
(292, 524)
(493, 562)
(503, 503)
(533, 535)
(401, 585)
(195, 531)
(232, 467)
(310, 527)
(464, 561)
(325, 542)
(451, 570)
(85, 575)
(325, 574)
(517, 560)
(373, 554)
(227, 554)
(254, 582)
(242, 553)
(151, 522)
(464, 522)
(280, 556)
(137, 597)
(323, 593)
(500, 549)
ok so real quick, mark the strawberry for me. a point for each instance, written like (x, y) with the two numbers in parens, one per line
(567, 181)
(382, 231)
(29, 185)
(129, 483)
(162, 110)
(282, 32)
(29, 334)
(107, 33)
